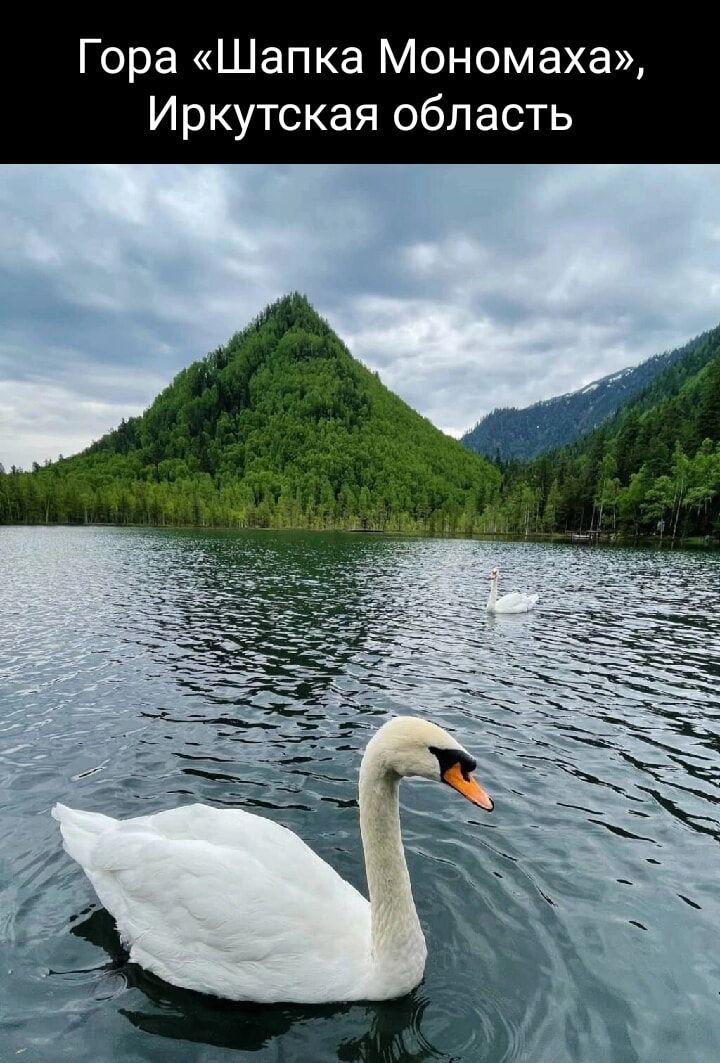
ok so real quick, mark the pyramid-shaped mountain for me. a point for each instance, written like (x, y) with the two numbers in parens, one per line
(280, 427)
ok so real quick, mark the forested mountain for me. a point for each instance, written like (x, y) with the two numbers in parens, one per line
(526, 433)
(280, 427)
(653, 468)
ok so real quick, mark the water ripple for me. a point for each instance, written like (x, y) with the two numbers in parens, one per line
(143, 669)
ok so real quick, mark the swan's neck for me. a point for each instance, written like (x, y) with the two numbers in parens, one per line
(396, 931)
(493, 593)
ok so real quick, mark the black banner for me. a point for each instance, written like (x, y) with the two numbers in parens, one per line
(246, 90)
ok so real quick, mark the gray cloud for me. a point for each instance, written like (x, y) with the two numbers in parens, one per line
(466, 287)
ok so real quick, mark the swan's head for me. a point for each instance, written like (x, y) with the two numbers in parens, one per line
(494, 575)
(407, 745)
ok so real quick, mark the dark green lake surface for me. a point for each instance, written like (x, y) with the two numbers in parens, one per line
(142, 669)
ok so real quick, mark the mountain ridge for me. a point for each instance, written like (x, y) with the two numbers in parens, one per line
(527, 432)
(651, 469)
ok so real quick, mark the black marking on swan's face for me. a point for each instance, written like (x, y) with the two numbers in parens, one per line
(448, 757)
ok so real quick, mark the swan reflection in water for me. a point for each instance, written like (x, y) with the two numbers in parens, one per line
(393, 1033)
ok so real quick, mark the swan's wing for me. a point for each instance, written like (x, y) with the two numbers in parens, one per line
(232, 904)
(231, 828)
(516, 602)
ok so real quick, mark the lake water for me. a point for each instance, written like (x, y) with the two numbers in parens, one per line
(144, 669)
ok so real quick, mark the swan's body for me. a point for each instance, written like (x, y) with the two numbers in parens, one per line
(232, 904)
(515, 602)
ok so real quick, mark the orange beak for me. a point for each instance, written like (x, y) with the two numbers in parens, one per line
(468, 787)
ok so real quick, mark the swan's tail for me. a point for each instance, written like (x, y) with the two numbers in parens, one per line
(80, 831)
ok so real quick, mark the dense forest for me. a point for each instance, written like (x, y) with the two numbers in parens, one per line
(526, 433)
(653, 469)
(282, 427)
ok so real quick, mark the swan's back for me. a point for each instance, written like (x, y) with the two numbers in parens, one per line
(516, 602)
(226, 902)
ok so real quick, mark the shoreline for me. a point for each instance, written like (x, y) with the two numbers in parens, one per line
(694, 542)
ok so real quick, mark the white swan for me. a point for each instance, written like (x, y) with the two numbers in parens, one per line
(232, 904)
(515, 602)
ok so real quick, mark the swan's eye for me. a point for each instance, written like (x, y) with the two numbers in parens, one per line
(448, 757)
(455, 769)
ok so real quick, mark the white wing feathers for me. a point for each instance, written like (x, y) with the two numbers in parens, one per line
(516, 602)
(225, 901)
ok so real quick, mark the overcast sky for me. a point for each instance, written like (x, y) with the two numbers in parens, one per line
(465, 287)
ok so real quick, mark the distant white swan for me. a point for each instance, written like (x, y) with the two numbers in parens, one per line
(515, 602)
(232, 904)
